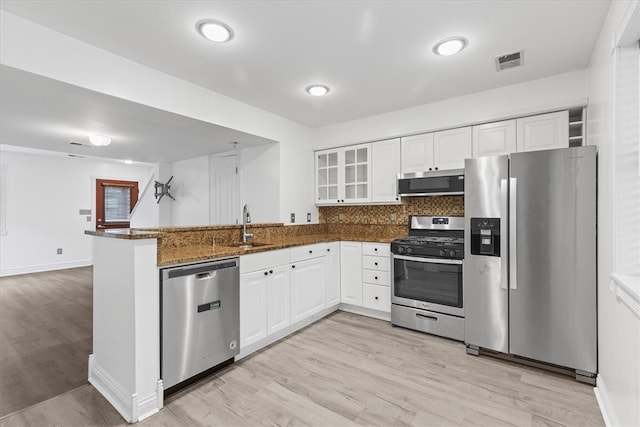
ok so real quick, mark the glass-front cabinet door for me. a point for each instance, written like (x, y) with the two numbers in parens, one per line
(357, 173)
(343, 175)
(327, 181)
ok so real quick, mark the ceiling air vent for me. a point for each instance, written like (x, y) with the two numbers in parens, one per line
(509, 60)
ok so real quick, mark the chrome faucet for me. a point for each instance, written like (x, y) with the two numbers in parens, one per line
(246, 219)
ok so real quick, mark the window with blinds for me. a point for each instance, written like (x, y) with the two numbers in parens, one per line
(115, 200)
(627, 162)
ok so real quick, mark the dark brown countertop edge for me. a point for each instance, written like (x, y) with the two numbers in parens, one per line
(124, 233)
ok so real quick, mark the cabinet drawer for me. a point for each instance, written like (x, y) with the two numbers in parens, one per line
(300, 253)
(376, 297)
(375, 249)
(263, 260)
(376, 277)
(376, 263)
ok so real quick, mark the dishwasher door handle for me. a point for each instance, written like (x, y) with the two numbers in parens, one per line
(207, 275)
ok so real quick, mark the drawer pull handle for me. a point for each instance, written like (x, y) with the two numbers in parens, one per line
(270, 271)
(375, 263)
(376, 298)
(293, 266)
(375, 249)
(376, 277)
(266, 272)
(310, 252)
(427, 317)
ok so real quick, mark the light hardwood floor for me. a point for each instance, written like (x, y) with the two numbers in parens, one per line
(45, 335)
(351, 370)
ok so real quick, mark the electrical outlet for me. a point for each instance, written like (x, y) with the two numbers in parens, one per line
(293, 218)
(59, 251)
(88, 218)
(308, 216)
(393, 217)
(341, 217)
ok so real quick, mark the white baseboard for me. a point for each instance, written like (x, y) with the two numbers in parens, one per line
(132, 407)
(13, 271)
(376, 314)
(604, 403)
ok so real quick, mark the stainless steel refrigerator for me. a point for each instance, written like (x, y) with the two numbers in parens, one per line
(529, 269)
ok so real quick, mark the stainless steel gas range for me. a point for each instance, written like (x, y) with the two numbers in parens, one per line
(426, 291)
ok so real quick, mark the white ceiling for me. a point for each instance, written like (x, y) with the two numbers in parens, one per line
(45, 114)
(375, 55)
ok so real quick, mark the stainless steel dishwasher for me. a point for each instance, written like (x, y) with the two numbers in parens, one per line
(200, 308)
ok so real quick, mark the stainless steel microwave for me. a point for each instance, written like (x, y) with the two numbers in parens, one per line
(436, 183)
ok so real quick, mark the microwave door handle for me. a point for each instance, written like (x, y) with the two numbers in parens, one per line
(513, 226)
(504, 220)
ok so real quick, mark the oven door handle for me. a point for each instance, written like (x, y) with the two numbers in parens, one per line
(429, 260)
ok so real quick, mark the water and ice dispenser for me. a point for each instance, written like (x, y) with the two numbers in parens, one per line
(485, 236)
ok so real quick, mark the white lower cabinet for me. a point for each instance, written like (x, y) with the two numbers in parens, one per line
(278, 299)
(376, 297)
(376, 276)
(253, 307)
(332, 272)
(351, 273)
(307, 288)
(264, 295)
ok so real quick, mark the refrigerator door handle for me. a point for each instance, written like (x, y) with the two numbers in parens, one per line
(513, 255)
(504, 254)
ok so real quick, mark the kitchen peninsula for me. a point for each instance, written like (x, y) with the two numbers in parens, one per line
(125, 364)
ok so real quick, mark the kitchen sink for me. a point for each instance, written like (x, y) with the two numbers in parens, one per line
(249, 245)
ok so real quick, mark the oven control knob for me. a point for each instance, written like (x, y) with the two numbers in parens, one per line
(452, 253)
(409, 250)
(400, 249)
(442, 252)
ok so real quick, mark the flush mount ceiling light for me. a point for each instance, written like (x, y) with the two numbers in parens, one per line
(215, 31)
(99, 140)
(317, 90)
(450, 46)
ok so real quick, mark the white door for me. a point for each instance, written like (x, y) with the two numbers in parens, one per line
(494, 139)
(543, 132)
(385, 165)
(351, 272)
(416, 153)
(278, 305)
(224, 190)
(451, 147)
(253, 307)
(307, 288)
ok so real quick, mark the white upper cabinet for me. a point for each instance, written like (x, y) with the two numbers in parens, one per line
(436, 151)
(416, 153)
(543, 132)
(343, 175)
(451, 147)
(494, 139)
(385, 163)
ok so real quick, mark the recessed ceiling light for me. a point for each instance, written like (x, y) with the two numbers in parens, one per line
(450, 46)
(128, 161)
(215, 31)
(317, 90)
(99, 140)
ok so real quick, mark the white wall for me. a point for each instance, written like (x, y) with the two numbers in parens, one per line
(43, 199)
(259, 182)
(259, 187)
(190, 187)
(36, 49)
(618, 330)
(552, 93)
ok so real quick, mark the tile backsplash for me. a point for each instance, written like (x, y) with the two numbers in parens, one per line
(392, 214)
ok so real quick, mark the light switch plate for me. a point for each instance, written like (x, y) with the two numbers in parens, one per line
(293, 218)
(308, 216)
